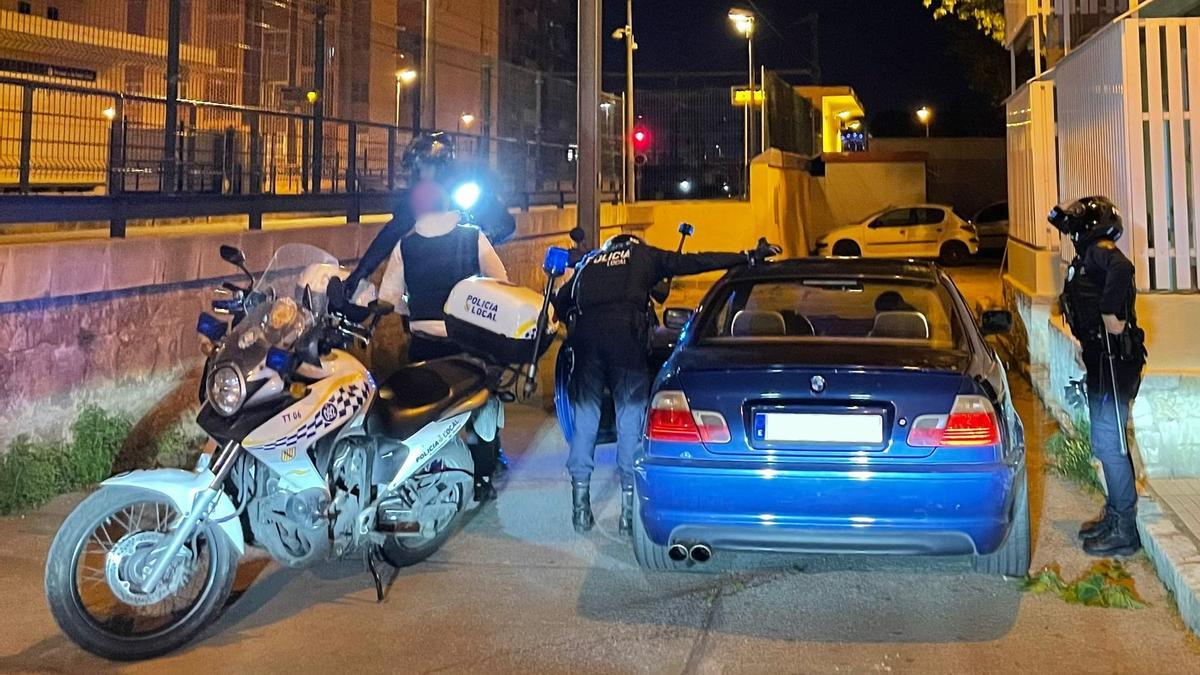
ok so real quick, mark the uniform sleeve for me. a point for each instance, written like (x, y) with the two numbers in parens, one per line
(490, 264)
(671, 264)
(384, 243)
(392, 288)
(1118, 279)
(494, 219)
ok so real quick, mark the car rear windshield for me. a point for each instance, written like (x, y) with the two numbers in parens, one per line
(834, 310)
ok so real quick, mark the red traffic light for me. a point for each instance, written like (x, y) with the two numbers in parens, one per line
(641, 139)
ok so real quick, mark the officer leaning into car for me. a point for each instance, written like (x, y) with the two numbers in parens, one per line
(1098, 303)
(605, 304)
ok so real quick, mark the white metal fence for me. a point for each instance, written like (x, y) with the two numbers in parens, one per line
(1126, 114)
(1032, 170)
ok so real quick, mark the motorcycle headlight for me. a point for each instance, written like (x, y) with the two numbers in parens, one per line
(226, 389)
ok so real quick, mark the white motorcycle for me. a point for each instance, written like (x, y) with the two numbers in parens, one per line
(315, 461)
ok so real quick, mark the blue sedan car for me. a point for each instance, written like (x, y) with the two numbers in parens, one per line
(834, 406)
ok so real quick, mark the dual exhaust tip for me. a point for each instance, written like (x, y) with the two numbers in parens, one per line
(699, 553)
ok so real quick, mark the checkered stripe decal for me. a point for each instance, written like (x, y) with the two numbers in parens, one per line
(346, 402)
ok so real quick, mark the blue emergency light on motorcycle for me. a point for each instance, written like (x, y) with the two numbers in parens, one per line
(279, 360)
(467, 195)
(557, 259)
(210, 326)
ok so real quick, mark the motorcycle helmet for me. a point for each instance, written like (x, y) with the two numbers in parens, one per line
(1088, 220)
(619, 240)
(428, 155)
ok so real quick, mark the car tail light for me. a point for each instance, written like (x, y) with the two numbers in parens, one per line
(971, 423)
(672, 419)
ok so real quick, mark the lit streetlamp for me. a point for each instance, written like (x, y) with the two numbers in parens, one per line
(404, 77)
(925, 117)
(465, 121)
(743, 22)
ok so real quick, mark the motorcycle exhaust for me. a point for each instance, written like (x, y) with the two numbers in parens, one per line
(677, 552)
(700, 553)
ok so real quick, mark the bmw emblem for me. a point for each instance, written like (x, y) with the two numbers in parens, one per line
(817, 383)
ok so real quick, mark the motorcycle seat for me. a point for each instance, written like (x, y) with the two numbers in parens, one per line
(425, 392)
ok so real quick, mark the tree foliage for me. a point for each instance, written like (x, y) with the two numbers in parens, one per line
(987, 15)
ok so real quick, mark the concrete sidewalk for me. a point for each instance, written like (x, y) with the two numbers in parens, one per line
(1169, 523)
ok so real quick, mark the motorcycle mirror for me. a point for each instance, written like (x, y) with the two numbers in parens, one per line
(234, 256)
(686, 229)
(577, 235)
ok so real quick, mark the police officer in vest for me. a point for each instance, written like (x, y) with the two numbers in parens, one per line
(1098, 304)
(424, 267)
(606, 303)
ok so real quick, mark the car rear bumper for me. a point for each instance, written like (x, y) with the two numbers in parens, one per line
(910, 511)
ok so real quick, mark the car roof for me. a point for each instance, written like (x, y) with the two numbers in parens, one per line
(840, 268)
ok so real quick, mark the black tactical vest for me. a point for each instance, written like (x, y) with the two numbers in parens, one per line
(432, 267)
(1080, 304)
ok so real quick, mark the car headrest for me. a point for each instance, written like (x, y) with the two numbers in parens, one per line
(752, 323)
(901, 325)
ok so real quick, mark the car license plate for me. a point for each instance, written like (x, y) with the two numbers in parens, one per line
(784, 427)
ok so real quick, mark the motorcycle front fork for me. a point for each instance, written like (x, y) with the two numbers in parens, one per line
(201, 505)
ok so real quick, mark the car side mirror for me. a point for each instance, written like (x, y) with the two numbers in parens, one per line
(996, 322)
(675, 318)
(232, 255)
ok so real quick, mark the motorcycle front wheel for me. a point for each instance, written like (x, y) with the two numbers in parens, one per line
(102, 552)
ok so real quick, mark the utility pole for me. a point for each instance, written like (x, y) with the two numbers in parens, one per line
(318, 134)
(587, 163)
(171, 118)
(630, 178)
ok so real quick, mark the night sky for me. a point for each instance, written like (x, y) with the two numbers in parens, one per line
(891, 51)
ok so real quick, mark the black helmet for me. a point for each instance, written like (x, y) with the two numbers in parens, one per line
(619, 240)
(427, 152)
(1088, 220)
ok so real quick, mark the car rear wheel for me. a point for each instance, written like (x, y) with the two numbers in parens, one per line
(847, 248)
(1012, 558)
(954, 253)
(652, 556)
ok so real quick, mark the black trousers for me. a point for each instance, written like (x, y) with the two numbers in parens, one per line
(485, 453)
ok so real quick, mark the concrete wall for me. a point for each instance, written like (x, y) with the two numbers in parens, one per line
(966, 173)
(112, 322)
(851, 190)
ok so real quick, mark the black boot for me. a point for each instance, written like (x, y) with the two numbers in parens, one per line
(581, 506)
(1121, 540)
(1100, 525)
(625, 527)
(484, 490)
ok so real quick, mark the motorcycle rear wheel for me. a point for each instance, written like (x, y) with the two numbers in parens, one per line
(408, 551)
(112, 528)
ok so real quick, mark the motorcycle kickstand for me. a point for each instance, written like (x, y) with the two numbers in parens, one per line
(373, 559)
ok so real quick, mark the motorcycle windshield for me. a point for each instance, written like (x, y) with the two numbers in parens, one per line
(286, 301)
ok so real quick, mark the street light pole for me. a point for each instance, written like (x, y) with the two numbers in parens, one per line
(743, 22)
(630, 179)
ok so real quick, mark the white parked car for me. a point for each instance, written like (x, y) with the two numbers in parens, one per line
(917, 231)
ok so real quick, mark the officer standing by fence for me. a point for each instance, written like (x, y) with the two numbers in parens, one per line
(1098, 303)
(606, 304)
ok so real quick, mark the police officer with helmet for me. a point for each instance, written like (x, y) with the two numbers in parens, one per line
(605, 304)
(434, 156)
(1098, 303)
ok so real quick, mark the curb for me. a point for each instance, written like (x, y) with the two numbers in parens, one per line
(1176, 558)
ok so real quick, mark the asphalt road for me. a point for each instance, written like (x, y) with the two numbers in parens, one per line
(517, 590)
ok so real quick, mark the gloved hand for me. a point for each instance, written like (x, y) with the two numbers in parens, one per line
(763, 252)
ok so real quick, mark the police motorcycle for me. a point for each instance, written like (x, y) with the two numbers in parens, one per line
(315, 460)
(663, 337)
